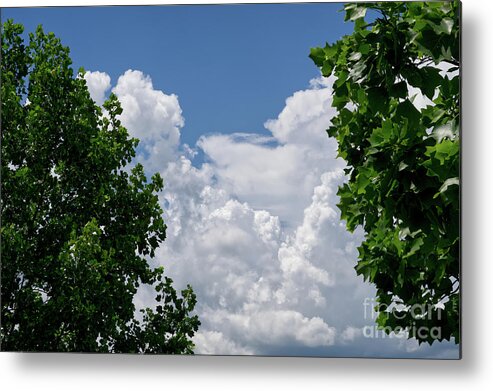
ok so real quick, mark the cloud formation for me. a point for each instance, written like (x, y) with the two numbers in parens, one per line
(256, 231)
(97, 84)
(278, 173)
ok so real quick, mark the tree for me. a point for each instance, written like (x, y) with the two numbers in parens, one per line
(78, 227)
(402, 162)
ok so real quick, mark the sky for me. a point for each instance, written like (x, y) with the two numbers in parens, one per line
(231, 65)
(231, 111)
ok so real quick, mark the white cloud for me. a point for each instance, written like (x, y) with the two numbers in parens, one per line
(255, 229)
(351, 333)
(305, 117)
(279, 173)
(152, 116)
(273, 327)
(209, 342)
(264, 277)
(97, 84)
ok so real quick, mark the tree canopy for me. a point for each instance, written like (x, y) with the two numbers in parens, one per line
(403, 161)
(78, 227)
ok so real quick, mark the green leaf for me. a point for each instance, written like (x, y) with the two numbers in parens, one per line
(449, 182)
(417, 243)
(382, 136)
(446, 150)
(327, 69)
(406, 110)
(318, 56)
(354, 11)
(399, 90)
(431, 80)
(362, 181)
(446, 25)
(340, 101)
(377, 98)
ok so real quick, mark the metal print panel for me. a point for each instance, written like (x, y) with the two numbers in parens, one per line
(268, 179)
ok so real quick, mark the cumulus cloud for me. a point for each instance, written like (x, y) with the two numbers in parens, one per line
(97, 84)
(152, 116)
(256, 232)
(259, 284)
(278, 173)
(351, 333)
(273, 327)
(255, 229)
(206, 342)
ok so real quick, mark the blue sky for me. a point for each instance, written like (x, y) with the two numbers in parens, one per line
(255, 229)
(232, 66)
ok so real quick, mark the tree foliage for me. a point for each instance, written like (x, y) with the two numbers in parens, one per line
(402, 162)
(78, 227)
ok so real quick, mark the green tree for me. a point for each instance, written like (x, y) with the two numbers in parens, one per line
(402, 163)
(78, 229)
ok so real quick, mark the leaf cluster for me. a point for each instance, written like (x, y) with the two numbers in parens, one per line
(402, 162)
